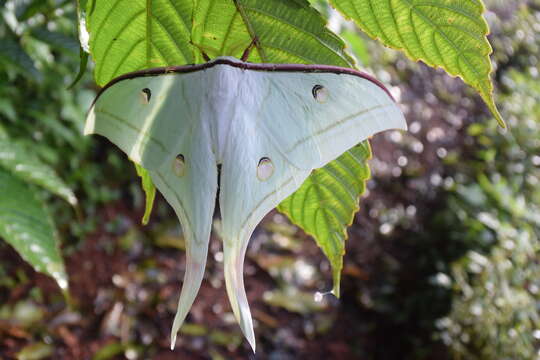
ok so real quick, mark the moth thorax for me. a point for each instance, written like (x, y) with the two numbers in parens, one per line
(265, 169)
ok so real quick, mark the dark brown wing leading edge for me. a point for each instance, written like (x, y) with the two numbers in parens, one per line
(247, 66)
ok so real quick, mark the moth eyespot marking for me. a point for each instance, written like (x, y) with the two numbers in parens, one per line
(320, 93)
(146, 94)
(179, 165)
(265, 169)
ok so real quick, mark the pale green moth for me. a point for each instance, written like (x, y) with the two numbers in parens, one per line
(267, 125)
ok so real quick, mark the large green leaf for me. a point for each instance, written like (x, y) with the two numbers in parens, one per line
(282, 31)
(132, 35)
(326, 203)
(26, 224)
(22, 163)
(450, 34)
(129, 35)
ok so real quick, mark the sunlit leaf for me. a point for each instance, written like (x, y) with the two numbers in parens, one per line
(129, 35)
(281, 31)
(326, 203)
(450, 34)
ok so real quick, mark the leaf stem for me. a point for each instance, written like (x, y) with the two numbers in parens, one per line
(251, 31)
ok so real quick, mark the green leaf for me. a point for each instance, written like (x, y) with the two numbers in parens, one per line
(450, 34)
(149, 190)
(26, 224)
(23, 164)
(282, 32)
(36, 351)
(358, 46)
(131, 36)
(325, 204)
(83, 47)
(128, 36)
(83, 63)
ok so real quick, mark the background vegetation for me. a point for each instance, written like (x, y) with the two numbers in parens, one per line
(442, 259)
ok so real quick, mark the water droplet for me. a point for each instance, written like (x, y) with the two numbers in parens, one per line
(179, 165)
(320, 93)
(265, 169)
(146, 94)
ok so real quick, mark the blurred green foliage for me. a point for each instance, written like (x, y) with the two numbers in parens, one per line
(496, 210)
(495, 313)
(31, 67)
(42, 119)
(475, 247)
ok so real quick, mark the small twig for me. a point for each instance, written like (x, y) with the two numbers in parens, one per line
(204, 55)
(251, 31)
(251, 45)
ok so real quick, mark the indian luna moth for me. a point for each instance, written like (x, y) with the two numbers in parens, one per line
(267, 125)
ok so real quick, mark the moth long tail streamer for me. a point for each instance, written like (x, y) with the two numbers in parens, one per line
(195, 265)
(234, 251)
